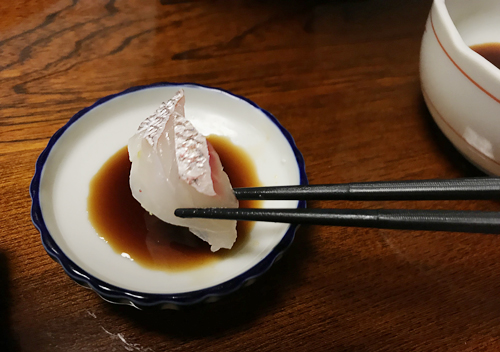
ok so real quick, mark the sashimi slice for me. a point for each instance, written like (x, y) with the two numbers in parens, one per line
(173, 166)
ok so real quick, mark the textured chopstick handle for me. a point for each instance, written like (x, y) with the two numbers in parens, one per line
(432, 220)
(466, 188)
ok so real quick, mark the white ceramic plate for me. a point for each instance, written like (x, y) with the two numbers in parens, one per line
(77, 151)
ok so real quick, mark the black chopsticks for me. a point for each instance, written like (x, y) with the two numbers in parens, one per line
(465, 188)
(434, 220)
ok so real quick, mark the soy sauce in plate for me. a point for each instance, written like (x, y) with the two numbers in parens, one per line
(135, 234)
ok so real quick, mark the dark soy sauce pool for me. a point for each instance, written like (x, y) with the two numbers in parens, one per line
(121, 221)
(490, 51)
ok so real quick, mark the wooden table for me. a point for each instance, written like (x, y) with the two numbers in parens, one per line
(342, 77)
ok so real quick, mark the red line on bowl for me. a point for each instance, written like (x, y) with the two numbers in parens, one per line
(459, 68)
(429, 102)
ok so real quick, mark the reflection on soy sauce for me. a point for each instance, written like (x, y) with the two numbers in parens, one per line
(490, 51)
(132, 232)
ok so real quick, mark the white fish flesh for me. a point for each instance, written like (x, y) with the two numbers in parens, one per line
(173, 166)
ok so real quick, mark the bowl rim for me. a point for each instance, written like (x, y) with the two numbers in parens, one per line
(453, 36)
(141, 300)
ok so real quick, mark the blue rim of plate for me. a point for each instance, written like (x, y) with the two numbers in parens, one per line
(142, 300)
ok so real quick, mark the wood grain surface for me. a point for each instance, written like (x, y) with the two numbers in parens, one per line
(342, 76)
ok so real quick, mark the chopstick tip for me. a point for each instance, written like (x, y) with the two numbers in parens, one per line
(182, 213)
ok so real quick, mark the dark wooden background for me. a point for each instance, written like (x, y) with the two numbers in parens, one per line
(342, 77)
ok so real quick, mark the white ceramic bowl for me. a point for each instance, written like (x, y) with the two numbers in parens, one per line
(76, 152)
(460, 87)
